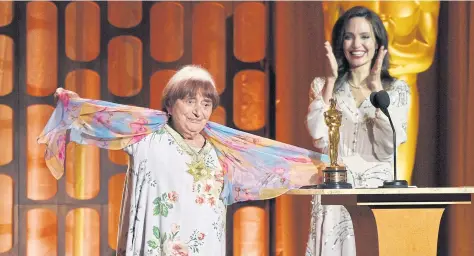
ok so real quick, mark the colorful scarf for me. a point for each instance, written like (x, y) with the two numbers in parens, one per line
(255, 167)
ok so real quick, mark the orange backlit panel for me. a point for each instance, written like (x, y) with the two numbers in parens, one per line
(6, 213)
(82, 31)
(6, 134)
(82, 232)
(125, 66)
(249, 31)
(219, 116)
(209, 40)
(6, 13)
(6, 65)
(158, 82)
(41, 48)
(249, 100)
(41, 232)
(124, 14)
(115, 197)
(40, 183)
(166, 31)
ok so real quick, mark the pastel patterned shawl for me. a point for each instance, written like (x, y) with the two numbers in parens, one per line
(252, 164)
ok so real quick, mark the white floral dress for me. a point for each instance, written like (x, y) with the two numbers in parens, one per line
(365, 148)
(171, 201)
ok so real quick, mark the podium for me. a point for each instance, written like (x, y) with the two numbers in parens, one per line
(391, 221)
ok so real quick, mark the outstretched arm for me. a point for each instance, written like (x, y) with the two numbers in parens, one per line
(94, 122)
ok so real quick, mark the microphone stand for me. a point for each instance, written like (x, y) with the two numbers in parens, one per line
(393, 183)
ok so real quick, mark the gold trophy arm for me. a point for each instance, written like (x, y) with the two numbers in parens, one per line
(418, 55)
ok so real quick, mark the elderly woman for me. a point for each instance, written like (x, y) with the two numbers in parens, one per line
(184, 170)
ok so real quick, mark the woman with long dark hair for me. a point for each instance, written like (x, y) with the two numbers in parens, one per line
(359, 63)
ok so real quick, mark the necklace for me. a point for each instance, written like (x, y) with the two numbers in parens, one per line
(355, 87)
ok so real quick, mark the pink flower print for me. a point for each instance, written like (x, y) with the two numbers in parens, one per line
(279, 171)
(199, 200)
(298, 159)
(139, 126)
(137, 138)
(211, 201)
(201, 236)
(173, 196)
(64, 98)
(102, 118)
(176, 248)
(207, 188)
(225, 166)
(61, 144)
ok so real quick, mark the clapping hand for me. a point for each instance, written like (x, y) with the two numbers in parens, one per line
(331, 67)
(373, 80)
(331, 70)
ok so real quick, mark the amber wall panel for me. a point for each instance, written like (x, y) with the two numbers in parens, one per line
(250, 31)
(40, 183)
(125, 66)
(41, 232)
(124, 14)
(6, 134)
(166, 31)
(158, 82)
(6, 13)
(249, 100)
(82, 232)
(118, 157)
(209, 43)
(82, 31)
(6, 64)
(251, 231)
(82, 171)
(116, 183)
(41, 48)
(219, 116)
(84, 82)
(6, 213)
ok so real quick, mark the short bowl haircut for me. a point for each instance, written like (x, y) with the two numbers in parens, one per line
(187, 82)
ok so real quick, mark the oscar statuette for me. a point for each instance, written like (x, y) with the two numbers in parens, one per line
(335, 175)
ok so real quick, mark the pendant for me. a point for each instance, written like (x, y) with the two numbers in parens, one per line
(198, 169)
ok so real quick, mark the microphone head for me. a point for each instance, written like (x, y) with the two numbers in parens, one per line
(372, 100)
(382, 99)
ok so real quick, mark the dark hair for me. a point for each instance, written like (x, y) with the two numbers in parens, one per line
(380, 38)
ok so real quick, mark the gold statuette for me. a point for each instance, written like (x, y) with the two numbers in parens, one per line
(335, 176)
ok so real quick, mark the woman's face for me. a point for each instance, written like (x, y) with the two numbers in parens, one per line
(359, 42)
(191, 114)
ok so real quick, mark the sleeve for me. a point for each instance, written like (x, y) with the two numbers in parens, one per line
(315, 118)
(94, 122)
(258, 168)
(398, 109)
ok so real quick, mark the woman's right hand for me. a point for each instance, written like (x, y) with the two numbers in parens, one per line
(331, 77)
(60, 92)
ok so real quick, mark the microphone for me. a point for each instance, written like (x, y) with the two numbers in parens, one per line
(381, 100)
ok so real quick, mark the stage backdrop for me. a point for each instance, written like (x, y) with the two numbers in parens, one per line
(263, 56)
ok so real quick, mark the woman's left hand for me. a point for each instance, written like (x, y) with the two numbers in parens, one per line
(373, 80)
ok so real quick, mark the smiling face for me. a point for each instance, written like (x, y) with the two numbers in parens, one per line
(359, 42)
(190, 114)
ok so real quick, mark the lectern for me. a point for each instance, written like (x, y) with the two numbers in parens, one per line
(390, 221)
